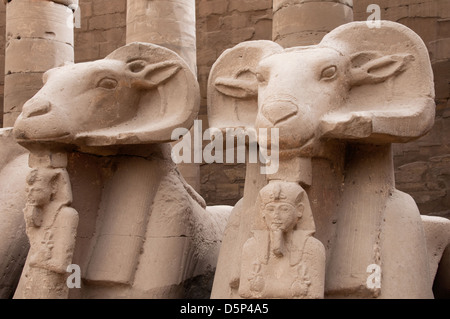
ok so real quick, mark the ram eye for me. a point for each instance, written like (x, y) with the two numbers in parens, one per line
(107, 83)
(329, 73)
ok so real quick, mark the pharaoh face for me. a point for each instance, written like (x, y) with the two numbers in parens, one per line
(39, 189)
(281, 216)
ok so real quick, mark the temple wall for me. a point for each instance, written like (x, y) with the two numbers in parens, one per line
(102, 29)
(422, 167)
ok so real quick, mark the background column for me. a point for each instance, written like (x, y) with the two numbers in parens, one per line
(39, 37)
(306, 22)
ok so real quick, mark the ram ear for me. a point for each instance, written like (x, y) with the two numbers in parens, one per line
(233, 86)
(391, 89)
(151, 75)
(374, 68)
(169, 97)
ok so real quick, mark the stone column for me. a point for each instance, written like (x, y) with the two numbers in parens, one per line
(171, 24)
(306, 22)
(39, 37)
(168, 23)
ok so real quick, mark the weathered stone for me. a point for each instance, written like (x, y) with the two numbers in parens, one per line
(278, 4)
(14, 244)
(282, 259)
(106, 7)
(48, 54)
(208, 7)
(66, 2)
(114, 20)
(115, 119)
(411, 172)
(170, 24)
(308, 17)
(20, 87)
(46, 20)
(301, 92)
(39, 37)
(250, 5)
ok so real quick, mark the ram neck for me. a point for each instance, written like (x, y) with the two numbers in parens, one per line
(368, 181)
(113, 195)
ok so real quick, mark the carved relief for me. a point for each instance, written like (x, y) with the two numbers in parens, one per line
(51, 227)
(339, 104)
(282, 259)
(51, 222)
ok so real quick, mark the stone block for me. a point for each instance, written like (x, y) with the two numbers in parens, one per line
(36, 55)
(425, 27)
(394, 13)
(241, 35)
(263, 29)
(301, 38)
(440, 165)
(235, 174)
(411, 173)
(311, 16)
(442, 77)
(48, 159)
(19, 88)
(86, 48)
(39, 20)
(440, 49)
(249, 5)
(86, 9)
(206, 8)
(278, 4)
(236, 20)
(105, 7)
(10, 118)
(170, 24)
(227, 191)
(109, 21)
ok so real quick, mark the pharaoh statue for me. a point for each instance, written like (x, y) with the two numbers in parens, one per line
(282, 259)
(51, 226)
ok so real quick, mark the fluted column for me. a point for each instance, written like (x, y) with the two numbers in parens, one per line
(306, 22)
(39, 37)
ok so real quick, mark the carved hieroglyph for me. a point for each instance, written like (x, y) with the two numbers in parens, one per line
(282, 259)
(340, 103)
(114, 118)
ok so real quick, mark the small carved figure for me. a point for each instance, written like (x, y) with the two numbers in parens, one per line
(51, 222)
(51, 226)
(283, 259)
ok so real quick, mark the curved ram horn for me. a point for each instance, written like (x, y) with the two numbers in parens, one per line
(390, 79)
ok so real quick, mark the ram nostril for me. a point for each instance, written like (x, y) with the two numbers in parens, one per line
(276, 112)
(32, 111)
